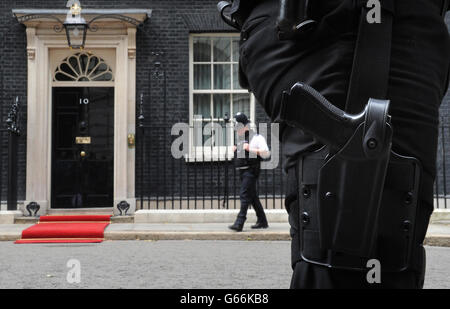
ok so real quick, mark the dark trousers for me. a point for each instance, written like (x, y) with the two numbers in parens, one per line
(418, 82)
(249, 196)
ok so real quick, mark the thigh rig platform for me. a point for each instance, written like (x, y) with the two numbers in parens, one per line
(357, 198)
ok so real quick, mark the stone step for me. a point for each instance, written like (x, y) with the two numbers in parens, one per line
(26, 220)
(442, 222)
(122, 219)
(34, 220)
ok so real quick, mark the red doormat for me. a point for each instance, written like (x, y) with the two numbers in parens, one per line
(66, 229)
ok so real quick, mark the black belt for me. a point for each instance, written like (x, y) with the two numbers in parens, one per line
(373, 47)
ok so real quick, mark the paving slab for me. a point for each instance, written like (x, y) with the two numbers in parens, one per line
(438, 234)
(12, 232)
(205, 231)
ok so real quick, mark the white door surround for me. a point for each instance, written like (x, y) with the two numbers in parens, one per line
(115, 41)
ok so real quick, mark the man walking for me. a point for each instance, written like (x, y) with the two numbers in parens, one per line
(251, 148)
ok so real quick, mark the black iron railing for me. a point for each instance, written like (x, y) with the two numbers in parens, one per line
(3, 158)
(442, 184)
(9, 141)
(203, 178)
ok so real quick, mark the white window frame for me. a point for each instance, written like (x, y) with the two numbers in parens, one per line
(213, 153)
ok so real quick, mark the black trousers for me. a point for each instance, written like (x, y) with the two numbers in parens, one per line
(418, 82)
(249, 196)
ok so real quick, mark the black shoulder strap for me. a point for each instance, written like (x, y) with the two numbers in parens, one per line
(371, 64)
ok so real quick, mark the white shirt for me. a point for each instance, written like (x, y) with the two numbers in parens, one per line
(259, 142)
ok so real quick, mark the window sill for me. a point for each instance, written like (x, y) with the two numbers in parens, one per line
(215, 155)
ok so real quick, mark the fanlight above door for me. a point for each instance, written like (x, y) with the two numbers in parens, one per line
(83, 67)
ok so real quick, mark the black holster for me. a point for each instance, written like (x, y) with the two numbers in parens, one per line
(357, 198)
(342, 238)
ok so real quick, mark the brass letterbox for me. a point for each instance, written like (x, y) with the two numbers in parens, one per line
(84, 140)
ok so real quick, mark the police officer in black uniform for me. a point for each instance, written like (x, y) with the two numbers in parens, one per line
(251, 148)
(327, 69)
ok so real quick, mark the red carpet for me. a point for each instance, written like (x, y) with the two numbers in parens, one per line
(66, 229)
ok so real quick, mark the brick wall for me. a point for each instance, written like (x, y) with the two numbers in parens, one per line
(13, 74)
(167, 31)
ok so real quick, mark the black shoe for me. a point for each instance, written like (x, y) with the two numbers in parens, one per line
(260, 225)
(236, 227)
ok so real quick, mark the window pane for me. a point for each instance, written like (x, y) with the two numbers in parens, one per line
(202, 76)
(199, 138)
(222, 49)
(241, 103)
(212, 135)
(202, 49)
(219, 71)
(236, 84)
(222, 76)
(94, 61)
(235, 49)
(63, 77)
(202, 105)
(227, 135)
(84, 62)
(67, 69)
(74, 63)
(221, 105)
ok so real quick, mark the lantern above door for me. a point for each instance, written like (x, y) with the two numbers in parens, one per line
(75, 26)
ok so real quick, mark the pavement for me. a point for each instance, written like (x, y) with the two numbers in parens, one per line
(438, 232)
(167, 265)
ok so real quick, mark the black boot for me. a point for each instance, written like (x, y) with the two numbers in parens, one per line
(260, 225)
(237, 226)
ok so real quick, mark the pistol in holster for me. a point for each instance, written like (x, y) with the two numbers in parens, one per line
(358, 199)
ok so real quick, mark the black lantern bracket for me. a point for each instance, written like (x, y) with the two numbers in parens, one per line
(127, 16)
(47, 14)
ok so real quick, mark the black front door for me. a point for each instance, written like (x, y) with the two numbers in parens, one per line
(83, 147)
